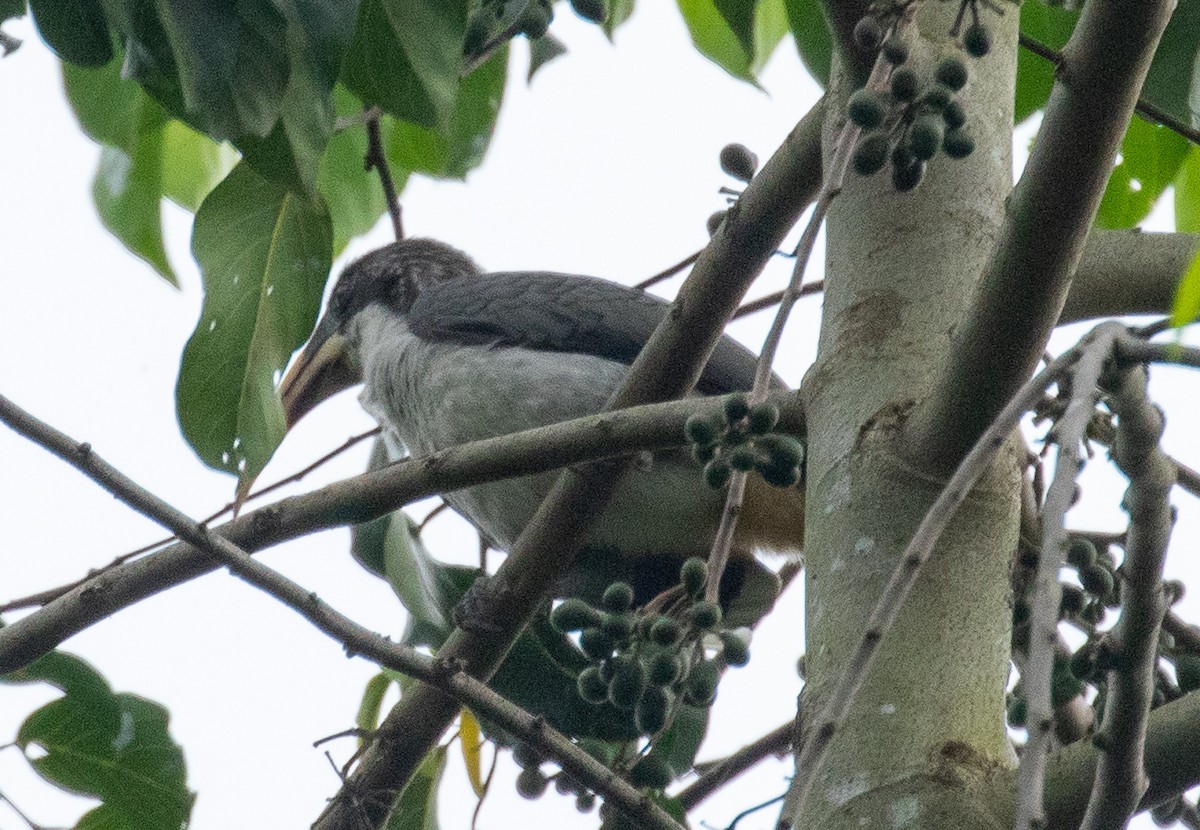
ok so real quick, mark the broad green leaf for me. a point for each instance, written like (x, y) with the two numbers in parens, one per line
(406, 56)
(106, 104)
(371, 705)
(231, 63)
(353, 193)
(416, 808)
(770, 27)
(450, 152)
(1171, 83)
(739, 17)
(471, 741)
(11, 8)
(760, 588)
(1187, 297)
(542, 50)
(679, 744)
(1052, 26)
(193, 164)
(1187, 194)
(76, 30)
(740, 49)
(1150, 158)
(112, 746)
(264, 253)
(417, 578)
(811, 33)
(128, 190)
(618, 12)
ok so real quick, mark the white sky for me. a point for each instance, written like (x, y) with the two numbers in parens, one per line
(606, 166)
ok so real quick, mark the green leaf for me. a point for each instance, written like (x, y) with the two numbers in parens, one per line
(193, 164)
(1187, 194)
(264, 253)
(760, 588)
(542, 50)
(11, 8)
(618, 12)
(76, 30)
(680, 743)
(128, 190)
(416, 808)
(353, 193)
(1051, 26)
(742, 47)
(112, 746)
(231, 63)
(1187, 297)
(1150, 158)
(406, 56)
(811, 33)
(1172, 83)
(455, 149)
(106, 104)
(371, 705)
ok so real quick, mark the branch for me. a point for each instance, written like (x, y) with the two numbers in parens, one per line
(667, 273)
(355, 638)
(360, 499)
(775, 742)
(1128, 272)
(667, 367)
(842, 694)
(1070, 434)
(1120, 777)
(376, 159)
(1024, 286)
(1148, 111)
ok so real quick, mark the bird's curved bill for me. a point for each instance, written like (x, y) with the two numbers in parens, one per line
(324, 368)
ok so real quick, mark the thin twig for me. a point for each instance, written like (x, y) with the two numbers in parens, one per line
(669, 272)
(1070, 432)
(1143, 107)
(447, 676)
(376, 159)
(1121, 780)
(773, 299)
(774, 742)
(841, 696)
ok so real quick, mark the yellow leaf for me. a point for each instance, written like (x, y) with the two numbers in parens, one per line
(472, 743)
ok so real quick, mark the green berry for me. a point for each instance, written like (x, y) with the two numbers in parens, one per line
(1083, 663)
(531, 783)
(739, 162)
(663, 669)
(618, 626)
(902, 155)
(1020, 614)
(977, 40)
(737, 406)
(596, 643)
(1018, 710)
(693, 575)
(585, 802)
(951, 73)
(895, 49)
(617, 597)
(958, 144)
(1187, 672)
(526, 756)
(591, 686)
(763, 417)
(905, 179)
(714, 222)
(735, 650)
(743, 458)
(866, 109)
(868, 34)
(870, 155)
(650, 714)
(716, 473)
(936, 98)
(1094, 613)
(593, 11)
(779, 475)
(701, 429)
(905, 84)
(1072, 601)
(1097, 580)
(651, 771)
(627, 683)
(574, 615)
(705, 616)
(1064, 686)
(925, 136)
(704, 453)
(955, 115)
(700, 689)
(666, 631)
(784, 450)
(1081, 553)
(607, 670)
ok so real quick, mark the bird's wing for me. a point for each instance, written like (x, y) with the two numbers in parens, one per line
(562, 313)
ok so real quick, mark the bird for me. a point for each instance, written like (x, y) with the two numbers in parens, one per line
(449, 354)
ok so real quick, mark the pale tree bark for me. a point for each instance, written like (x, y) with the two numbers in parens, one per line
(926, 737)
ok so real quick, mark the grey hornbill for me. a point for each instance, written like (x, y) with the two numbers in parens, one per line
(450, 354)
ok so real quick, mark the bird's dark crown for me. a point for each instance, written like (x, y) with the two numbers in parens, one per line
(395, 275)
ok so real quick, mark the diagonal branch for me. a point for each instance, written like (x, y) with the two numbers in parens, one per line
(360, 499)
(1024, 286)
(357, 639)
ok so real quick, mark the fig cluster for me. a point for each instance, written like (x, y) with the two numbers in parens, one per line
(739, 162)
(745, 439)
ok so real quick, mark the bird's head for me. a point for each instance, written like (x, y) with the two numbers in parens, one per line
(392, 276)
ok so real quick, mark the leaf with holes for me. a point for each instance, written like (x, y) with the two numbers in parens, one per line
(1187, 194)
(1150, 159)
(264, 253)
